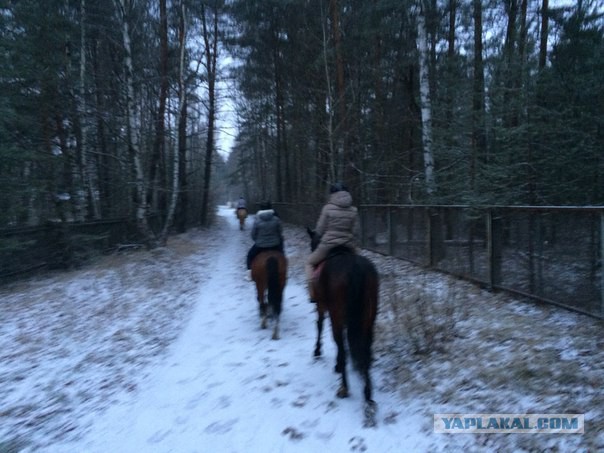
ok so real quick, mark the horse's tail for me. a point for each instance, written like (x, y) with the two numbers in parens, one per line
(361, 311)
(275, 295)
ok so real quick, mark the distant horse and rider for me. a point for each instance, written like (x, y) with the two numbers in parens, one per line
(241, 212)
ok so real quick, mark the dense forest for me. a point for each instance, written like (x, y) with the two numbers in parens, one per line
(114, 108)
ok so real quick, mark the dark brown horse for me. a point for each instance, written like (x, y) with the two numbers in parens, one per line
(347, 288)
(269, 272)
(241, 215)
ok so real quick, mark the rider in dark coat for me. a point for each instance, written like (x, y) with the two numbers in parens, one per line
(267, 232)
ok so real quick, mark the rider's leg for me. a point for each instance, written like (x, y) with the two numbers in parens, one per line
(314, 258)
(251, 254)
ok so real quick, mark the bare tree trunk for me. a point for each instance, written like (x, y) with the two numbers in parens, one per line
(331, 158)
(133, 144)
(510, 118)
(478, 108)
(181, 217)
(159, 142)
(87, 165)
(334, 6)
(211, 54)
(544, 34)
(181, 105)
(426, 107)
(451, 60)
(279, 149)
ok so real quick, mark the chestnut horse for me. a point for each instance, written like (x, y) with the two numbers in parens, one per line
(241, 215)
(347, 288)
(269, 272)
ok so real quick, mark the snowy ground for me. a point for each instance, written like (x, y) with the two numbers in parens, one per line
(161, 351)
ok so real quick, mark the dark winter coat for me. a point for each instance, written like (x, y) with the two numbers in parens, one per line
(267, 230)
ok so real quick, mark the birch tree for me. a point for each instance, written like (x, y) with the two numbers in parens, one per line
(182, 40)
(123, 8)
(160, 126)
(210, 40)
(425, 101)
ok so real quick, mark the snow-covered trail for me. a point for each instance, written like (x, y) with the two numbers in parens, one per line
(225, 386)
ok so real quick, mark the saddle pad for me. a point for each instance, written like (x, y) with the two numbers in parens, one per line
(317, 271)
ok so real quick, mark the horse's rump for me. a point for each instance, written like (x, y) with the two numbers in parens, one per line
(361, 310)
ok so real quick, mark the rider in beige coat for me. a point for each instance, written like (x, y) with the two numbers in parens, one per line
(336, 225)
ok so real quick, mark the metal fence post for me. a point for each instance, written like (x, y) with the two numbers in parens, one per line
(494, 247)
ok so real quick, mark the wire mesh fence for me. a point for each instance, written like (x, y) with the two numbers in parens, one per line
(553, 254)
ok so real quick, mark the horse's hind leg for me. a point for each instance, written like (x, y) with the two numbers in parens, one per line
(370, 405)
(338, 335)
(263, 315)
(276, 327)
(262, 307)
(320, 320)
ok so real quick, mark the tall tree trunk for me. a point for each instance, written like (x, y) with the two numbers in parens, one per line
(426, 105)
(510, 118)
(159, 141)
(479, 153)
(379, 140)
(211, 51)
(181, 217)
(544, 34)
(279, 151)
(451, 60)
(331, 158)
(341, 151)
(181, 117)
(451, 87)
(133, 144)
(87, 165)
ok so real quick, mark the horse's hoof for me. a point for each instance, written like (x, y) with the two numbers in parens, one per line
(317, 353)
(343, 392)
(370, 412)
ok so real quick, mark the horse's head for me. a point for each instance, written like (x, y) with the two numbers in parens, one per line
(314, 238)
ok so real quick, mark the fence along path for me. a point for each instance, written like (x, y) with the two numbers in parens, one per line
(552, 254)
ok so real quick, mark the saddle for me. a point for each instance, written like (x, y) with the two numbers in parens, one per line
(338, 250)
